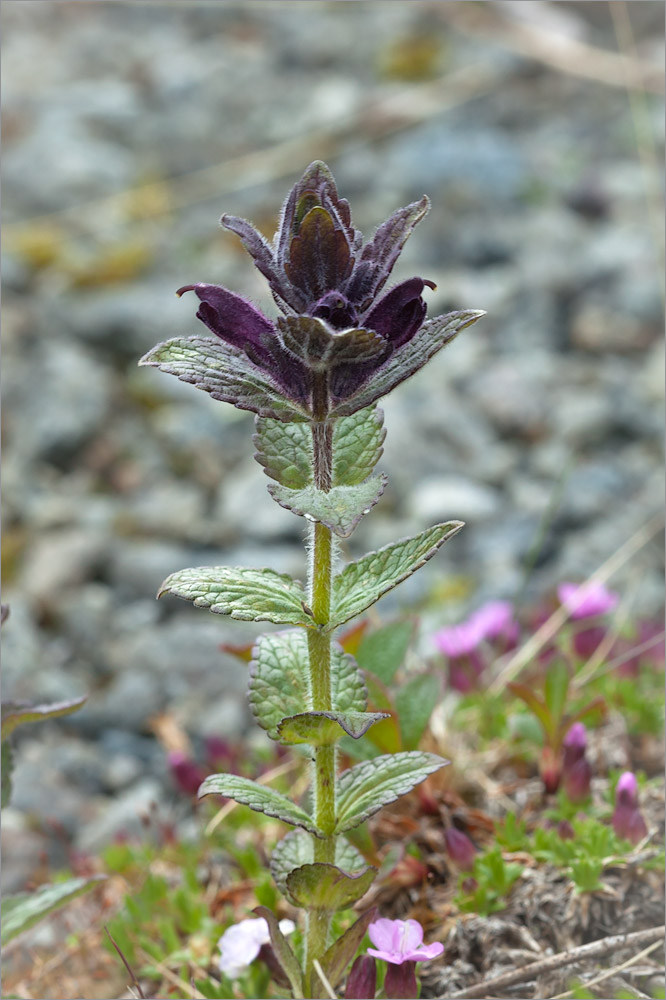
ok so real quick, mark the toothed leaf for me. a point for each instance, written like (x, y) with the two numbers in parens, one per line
(367, 787)
(283, 953)
(340, 509)
(285, 451)
(225, 373)
(414, 704)
(257, 797)
(280, 680)
(297, 849)
(383, 651)
(326, 728)
(251, 595)
(24, 910)
(322, 886)
(363, 582)
(357, 446)
(342, 951)
(429, 339)
(15, 714)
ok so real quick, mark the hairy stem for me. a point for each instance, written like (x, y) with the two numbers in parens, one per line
(319, 648)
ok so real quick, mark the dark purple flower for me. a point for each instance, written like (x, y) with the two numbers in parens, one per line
(627, 818)
(338, 347)
(362, 979)
(460, 848)
(185, 772)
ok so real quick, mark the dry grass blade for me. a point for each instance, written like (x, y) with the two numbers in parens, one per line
(189, 991)
(596, 949)
(135, 981)
(327, 986)
(549, 629)
(613, 971)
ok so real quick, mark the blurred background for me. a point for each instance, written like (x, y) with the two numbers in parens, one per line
(535, 128)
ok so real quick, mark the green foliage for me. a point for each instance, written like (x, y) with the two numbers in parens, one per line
(326, 728)
(363, 582)
(283, 952)
(367, 787)
(7, 768)
(342, 951)
(280, 680)
(247, 594)
(340, 509)
(15, 714)
(414, 703)
(639, 699)
(325, 887)
(494, 878)
(383, 650)
(357, 446)
(296, 849)
(258, 797)
(24, 910)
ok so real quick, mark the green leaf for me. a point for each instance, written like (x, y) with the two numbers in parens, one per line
(357, 446)
(258, 797)
(340, 509)
(283, 952)
(363, 582)
(326, 728)
(414, 704)
(383, 651)
(535, 704)
(7, 768)
(322, 886)
(251, 595)
(15, 714)
(556, 687)
(285, 451)
(435, 334)
(297, 849)
(342, 951)
(226, 373)
(367, 787)
(280, 680)
(23, 911)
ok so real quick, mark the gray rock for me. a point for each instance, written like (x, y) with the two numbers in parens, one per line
(125, 814)
(453, 498)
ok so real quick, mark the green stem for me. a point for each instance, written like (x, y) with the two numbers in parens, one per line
(319, 648)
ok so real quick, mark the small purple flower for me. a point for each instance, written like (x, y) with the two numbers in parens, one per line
(241, 943)
(460, 848)
(398, 941)
(576, 769)
(627, 818)
(339, 346)
(461, 644)
(185, 772)
(362, 979)
(495, 620)
(587, 600)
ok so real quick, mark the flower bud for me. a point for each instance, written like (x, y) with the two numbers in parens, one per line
(186, 773)
(362, 979)
(627, 818)
(400, 982)
(460, 848)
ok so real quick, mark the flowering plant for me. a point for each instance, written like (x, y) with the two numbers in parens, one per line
(312, 376)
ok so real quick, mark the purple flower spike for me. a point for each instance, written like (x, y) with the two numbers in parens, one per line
(362, 979)
(398, 941)
(575, 743)
(460, 848)
(627, 818)
(588, 600)
(338, 347)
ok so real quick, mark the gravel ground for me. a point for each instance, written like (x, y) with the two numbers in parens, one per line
(129, 128)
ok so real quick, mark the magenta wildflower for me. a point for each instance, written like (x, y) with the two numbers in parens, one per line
(628, 821)
(462, 644)
(339, 345)
(400, 943)
(587, 600)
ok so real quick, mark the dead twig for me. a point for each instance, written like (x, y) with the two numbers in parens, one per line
(135, 981)
(596, 949)
(613, 971)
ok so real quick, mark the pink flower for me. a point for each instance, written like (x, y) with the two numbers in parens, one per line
(458, 640)
(241, 943)
(398, 941)
(627, 818)
(495, 620)
(185, 772)
(587, 600)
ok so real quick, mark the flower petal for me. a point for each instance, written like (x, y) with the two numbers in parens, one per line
(411, 936)
(319, 258)
(231, 317)
(381, 934)
(398, 315)
(426, 952)
(262, 253)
